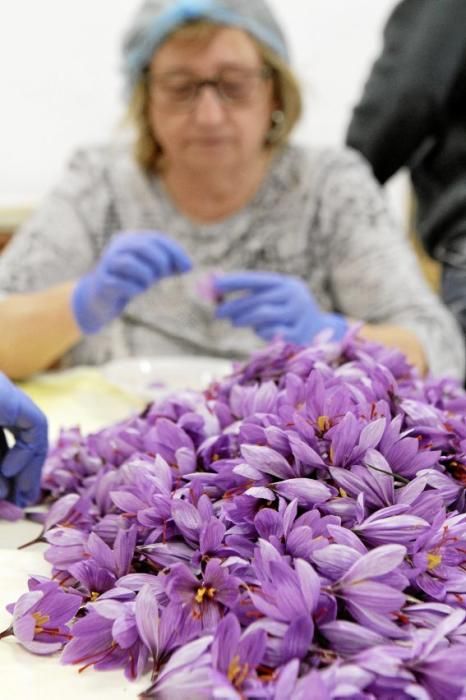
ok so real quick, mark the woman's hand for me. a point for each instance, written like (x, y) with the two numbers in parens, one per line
(21, 465)
(129, 266)
(275, 305)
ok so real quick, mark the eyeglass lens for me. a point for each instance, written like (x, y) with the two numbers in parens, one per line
(182, 88)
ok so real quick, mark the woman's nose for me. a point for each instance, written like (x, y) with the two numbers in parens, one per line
(209, 108)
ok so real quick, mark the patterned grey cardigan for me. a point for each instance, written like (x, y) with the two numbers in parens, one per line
(319, 214)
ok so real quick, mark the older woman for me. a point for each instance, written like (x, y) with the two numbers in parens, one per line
(300, 240)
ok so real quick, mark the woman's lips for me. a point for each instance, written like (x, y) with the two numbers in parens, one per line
(212, 142)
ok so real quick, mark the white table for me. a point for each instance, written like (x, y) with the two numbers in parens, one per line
(80, 396)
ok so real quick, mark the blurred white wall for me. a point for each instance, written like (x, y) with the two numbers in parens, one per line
(60, 83)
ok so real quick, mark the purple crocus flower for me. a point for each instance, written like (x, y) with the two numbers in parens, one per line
(162, 629)
(103, 566)
(69, 511)
(188, 519)
(368, 601)
(166, 439)
(67, 547)
(188, 673)
(144, 492)
(392, 524)
(350, 439)
(206, 288)
(439, 557)
(235, 656)
(41, 617)
(250, 400)
(206, 598)
(338, 681)
(108, 638)
(403, 452)
(428, 667)
(285, 593)
(264, 460)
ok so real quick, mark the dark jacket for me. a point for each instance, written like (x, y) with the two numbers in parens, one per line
(413, 113)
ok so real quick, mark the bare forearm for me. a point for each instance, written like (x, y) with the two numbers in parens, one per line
(37, 329)
(398, 337)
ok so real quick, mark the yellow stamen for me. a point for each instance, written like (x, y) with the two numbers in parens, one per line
(41, 620)
(342, 493)
(204, 591)
(433, 560)
(237, 673)
(323, 423)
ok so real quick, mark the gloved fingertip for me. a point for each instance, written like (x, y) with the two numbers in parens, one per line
(221, 313)
(27, 498)
(14, 462)
(218, 283)
(186, 265)
(339, 325)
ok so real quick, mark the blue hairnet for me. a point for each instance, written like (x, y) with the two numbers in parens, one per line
(156, 19)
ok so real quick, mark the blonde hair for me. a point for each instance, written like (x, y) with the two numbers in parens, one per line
(287, 94)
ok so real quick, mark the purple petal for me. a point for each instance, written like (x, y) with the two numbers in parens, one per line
(125, 632)
(268, 522)
(374, 595)
(42, 648)
(100, 551)
(148, 619)
(27, 602)
(300, 542)
(251, 648)
(211, 536)
(371, 434)
(297, 639)
(397, 528)
(266, 460)
(309, 582)
(376, 622)
(124, 546)
(378, 562)
(286, 680)
(187, 517)
(127, 502)
(260, 492)
(308, 492)
(11, 512)
(304, 452)
(335, 560)
(348, 638)
(24, 628)
(225, 644)
(186, 655)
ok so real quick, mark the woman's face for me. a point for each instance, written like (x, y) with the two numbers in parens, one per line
(208, 132)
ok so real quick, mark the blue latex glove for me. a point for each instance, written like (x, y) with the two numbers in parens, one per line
(276, 306)
(21, 465)
(131, 263)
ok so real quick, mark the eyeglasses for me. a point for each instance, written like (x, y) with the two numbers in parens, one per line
(178, 91)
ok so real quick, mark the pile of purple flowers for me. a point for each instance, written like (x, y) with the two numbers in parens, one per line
(296, 531)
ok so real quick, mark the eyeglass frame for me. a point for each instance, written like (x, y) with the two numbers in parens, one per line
(263, 73)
